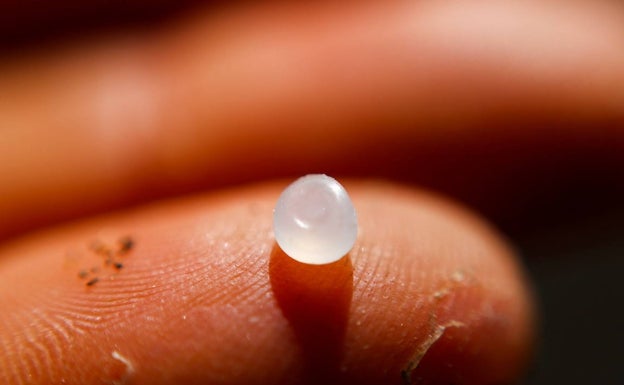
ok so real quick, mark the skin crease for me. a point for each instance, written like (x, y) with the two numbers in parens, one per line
(501, 106)
(202, 298)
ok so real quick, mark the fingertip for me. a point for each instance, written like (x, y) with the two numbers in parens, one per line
(429, 293)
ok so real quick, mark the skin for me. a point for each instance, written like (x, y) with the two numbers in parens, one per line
(430, 293)
(207, 297)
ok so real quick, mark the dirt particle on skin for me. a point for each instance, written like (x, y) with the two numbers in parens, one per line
(126, 244)
(105, 253)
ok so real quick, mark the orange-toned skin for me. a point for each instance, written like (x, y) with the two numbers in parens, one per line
(483, 101)
(205, 296)
(502, 105)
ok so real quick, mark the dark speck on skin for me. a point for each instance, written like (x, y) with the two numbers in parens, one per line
(127, 244)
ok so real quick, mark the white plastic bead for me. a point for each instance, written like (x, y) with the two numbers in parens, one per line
(314, 220)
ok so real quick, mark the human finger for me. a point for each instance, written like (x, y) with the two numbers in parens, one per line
(500, 105)
(429, 293)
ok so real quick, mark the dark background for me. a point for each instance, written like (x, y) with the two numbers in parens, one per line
(577, 268)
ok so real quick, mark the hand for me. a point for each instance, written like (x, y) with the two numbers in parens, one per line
(495, 104)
